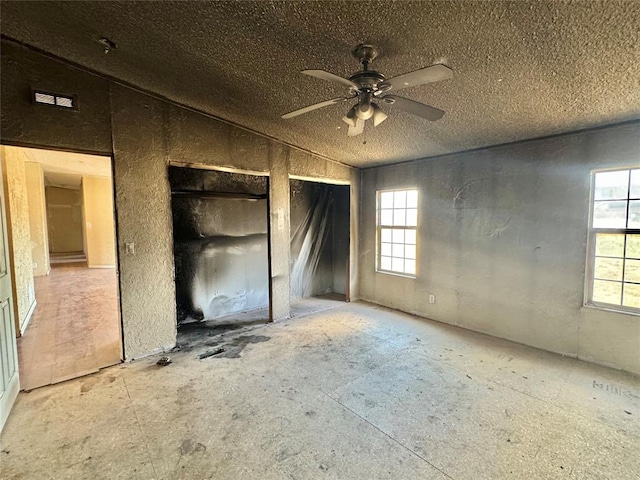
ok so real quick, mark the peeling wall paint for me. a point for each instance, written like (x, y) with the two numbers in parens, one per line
(502, 243)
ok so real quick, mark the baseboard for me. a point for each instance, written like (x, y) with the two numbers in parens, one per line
(102, 266)
(27, 319)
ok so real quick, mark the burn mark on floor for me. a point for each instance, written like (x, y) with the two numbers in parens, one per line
(233, 347)
(197, 334)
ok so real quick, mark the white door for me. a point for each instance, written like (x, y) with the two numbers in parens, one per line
(9, 383)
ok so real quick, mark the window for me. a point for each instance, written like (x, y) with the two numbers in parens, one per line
(614, 240)
(397, 221)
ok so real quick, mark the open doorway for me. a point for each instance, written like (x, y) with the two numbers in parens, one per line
(60, 220)
(220, 235)
(320, 240)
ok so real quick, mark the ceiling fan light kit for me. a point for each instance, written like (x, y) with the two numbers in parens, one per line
(368, 87)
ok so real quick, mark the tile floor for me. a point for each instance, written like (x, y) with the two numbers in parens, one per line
(75, 329)
(353, 392)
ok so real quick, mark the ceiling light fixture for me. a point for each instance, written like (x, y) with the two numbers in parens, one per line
(369, 87)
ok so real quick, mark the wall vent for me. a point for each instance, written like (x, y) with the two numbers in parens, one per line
(55, 99)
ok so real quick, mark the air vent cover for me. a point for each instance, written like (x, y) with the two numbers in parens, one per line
(55, 99)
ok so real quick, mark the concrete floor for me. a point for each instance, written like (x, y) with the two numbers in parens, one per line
(353, 392)
(75, 329)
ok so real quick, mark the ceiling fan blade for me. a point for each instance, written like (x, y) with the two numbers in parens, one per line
(331, 78)
(413, 107)
(315, 106)
(435, 73)
(358, 129)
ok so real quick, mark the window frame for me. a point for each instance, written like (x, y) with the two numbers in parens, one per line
(591, 244)
(379, 228)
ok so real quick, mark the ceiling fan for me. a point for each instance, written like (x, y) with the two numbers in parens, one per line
(370, 86)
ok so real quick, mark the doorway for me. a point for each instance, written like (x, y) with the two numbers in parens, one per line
(220, 235)
(320, 242)
(61, 225)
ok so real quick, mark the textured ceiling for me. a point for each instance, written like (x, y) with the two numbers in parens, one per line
(523, 69)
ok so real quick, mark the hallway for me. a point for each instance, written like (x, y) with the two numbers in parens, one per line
(75, 329)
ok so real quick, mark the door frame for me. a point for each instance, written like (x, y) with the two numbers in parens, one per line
(115, 216)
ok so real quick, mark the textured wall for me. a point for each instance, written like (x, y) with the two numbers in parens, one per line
(146, 136)
(143, 200)
(85, 129)
(502, 243)
(37, 218)
(97, 197)
(279, 220)
(18, 232)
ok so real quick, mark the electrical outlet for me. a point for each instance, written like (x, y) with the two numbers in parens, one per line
(129, 248)
(35, 265)
(432, 299)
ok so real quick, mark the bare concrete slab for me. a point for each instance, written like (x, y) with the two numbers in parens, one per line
(355, 391)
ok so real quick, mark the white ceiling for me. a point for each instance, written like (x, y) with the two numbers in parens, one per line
(64, 169)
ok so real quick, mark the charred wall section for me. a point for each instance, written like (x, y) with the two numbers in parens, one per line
(319, 238)
(144, 134)
(220, 242)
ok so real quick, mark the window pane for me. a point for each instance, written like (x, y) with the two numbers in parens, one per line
(386, 200)
(633, 246)
(635, 184)
(607, 292)
(609, 245)
(608, 268)
(397, 265)
(397, 245)
(634, 214)
(399, 218)
(631, 296)
(611, 185)
(632, 271)
(400, 199)
(412, 217)
(386, 217)
(610, 214)
(410, 267)
(398, 236)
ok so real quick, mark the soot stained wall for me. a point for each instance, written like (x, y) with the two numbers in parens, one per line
(319, 238)
(502, 243)
(220, 243)
(146, 134)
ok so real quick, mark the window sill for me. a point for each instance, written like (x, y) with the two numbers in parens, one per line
(396, 274)
(611, 309)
